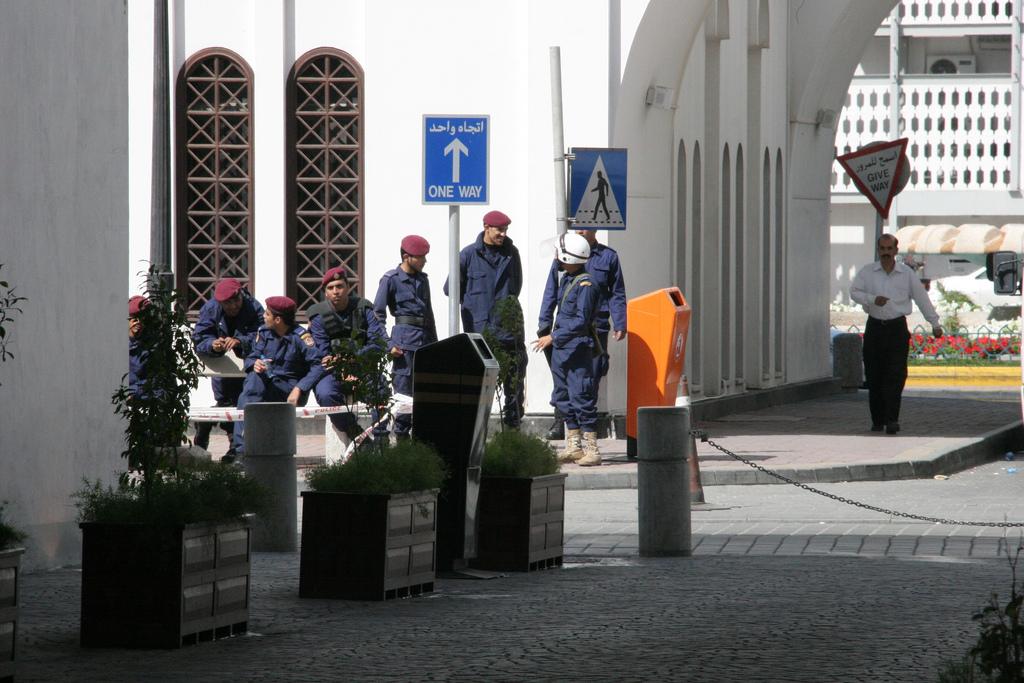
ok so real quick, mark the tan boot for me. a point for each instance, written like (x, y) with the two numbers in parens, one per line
(591, 456)
(573, 451)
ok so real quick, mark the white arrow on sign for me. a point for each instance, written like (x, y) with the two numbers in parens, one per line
(456, 148)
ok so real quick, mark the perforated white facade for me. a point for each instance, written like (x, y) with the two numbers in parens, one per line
(953, 69)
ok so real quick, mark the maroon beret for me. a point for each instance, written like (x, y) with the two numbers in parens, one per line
(280, 305)
(415, 245)
(496, 219)
(226, 288)
(336, 273)
(136, 304)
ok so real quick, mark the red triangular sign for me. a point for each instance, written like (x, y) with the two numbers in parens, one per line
(875, 171)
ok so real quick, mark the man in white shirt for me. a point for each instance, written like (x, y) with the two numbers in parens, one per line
(885, 290)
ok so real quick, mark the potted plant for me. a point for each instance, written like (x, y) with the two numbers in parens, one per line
(10, 559)
(522, 504)
(165, 552)
(369, 524)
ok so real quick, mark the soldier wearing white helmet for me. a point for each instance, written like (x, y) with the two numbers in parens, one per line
(573, 341)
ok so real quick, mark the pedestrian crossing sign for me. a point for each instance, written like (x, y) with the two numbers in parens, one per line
(597, 188)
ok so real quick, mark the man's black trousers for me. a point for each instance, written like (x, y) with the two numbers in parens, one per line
(886, 345)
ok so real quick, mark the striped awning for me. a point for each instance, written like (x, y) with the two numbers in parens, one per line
(969, 238)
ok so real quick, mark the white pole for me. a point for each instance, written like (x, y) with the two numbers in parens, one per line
(454, 279)
(561, 222)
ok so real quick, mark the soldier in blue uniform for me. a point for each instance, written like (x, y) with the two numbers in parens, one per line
(573, 342)
(227, 324)
(606, 273)
(405, 291)
(137, 355)
(342, 316)
(284, 364)
(490, 270)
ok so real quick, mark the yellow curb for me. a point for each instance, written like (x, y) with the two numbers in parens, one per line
(966, 375)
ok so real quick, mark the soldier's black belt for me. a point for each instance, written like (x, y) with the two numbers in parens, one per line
(414, 320)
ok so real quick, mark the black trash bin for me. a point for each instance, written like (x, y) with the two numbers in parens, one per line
(453, 389)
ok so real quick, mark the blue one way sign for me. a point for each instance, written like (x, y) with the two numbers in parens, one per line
(455, 156)
(597, 188)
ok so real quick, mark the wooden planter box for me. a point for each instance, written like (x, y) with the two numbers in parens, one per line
(9, 567)
(520, 523)
(367, 547)
(164, 587)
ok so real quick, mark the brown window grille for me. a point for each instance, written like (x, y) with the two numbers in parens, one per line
(325, 171)
(214, 174)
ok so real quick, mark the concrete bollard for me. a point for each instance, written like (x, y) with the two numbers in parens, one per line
(270, 460)
(335, 442)
(663, 481)
(848, 360)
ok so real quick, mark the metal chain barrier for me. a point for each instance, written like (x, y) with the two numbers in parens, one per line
(702, 435)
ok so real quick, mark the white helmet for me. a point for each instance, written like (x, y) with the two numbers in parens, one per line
(572, 248)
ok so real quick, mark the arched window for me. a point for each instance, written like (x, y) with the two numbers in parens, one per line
(726, 283)
(766, 265)
(780, 264)
(739, 247)
(325, 171)
(214, 217)
(696, 373)
(681, 233)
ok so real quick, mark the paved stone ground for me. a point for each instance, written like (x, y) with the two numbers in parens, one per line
(702, 619)
(784, 586)
(824, 439)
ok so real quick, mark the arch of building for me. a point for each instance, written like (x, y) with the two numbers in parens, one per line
(745, 239)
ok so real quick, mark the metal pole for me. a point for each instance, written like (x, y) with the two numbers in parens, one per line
(160, 201)
(1015, 89)
(454, 280)
(270, 460)
(561, 221)
(663, 486)
(895, 86)
(878, 231)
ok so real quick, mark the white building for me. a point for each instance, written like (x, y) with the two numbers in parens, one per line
(720, 103)
(942, 73)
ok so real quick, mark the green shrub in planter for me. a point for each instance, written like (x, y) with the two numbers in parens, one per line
(198, 492)
(179, 522)
(408, 465)
(512, 453)
(369, 525)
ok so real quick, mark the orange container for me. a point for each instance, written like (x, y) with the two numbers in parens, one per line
(658, 325)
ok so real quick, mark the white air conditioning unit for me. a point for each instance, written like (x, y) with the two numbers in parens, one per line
(951, 64)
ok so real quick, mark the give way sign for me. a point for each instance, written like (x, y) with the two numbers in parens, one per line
(879, 170)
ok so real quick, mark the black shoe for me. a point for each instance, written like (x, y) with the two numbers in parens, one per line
(203, 435)
(892, 427)
(230, 456)
(877, 428)
(557, 431)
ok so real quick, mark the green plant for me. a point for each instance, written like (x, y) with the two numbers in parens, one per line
(998, 655)
(506, 324)
(9, 536)
(953, 303)
(160, 486)
(514, 453)
(200, 491)
(408, 465)
(157, 415)
(363, 370)
(9, 307)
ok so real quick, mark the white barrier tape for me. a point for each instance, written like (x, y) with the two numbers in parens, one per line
(402, 405)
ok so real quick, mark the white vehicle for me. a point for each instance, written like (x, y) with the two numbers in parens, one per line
(976, 285)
